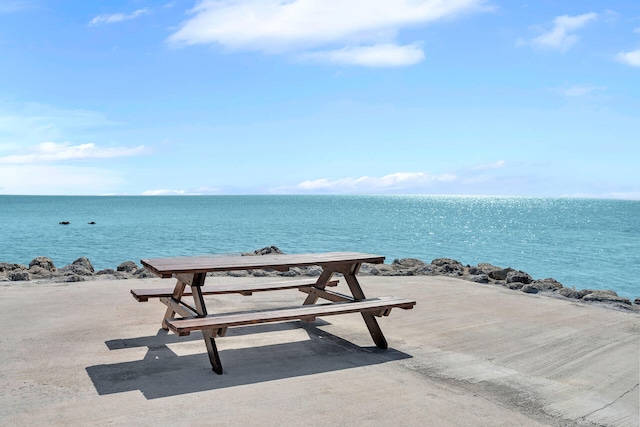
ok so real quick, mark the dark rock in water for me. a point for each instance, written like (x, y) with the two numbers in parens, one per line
(128, 266)
(519, 277)
(18, 275)
(91, 223)
(42, 262)
(64, 223)
(605, 296)
(269, 250)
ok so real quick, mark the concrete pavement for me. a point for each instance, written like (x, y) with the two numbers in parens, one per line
(467, 355)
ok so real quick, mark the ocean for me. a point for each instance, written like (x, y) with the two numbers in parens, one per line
(582, 243)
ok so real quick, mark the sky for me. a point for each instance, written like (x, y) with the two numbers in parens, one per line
(456, 97)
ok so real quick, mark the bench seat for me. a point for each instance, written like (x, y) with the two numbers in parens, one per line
(143, 295)
(376, 306)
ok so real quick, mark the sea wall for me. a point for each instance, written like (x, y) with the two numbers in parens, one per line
(43, 269)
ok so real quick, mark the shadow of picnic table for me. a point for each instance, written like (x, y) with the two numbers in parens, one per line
(162, 373)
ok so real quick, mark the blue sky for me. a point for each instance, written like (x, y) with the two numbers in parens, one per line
(320, 96)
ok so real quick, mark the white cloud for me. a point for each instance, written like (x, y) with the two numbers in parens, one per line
(381, 55)
(48, 152)
(164, 192)
(561, 37)
(366, 28)
(111, 18)
(630, 58)
(400, 181)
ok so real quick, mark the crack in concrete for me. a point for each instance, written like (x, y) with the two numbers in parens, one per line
(584, 417)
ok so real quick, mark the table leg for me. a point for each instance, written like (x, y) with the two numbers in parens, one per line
(321, 283)
(369, 319)
(207, 334)
(177, 295)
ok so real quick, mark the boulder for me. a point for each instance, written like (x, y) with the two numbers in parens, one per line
(142, 273)
(447, 267)
(37, 272)
(407, 263)
(80, 267)
(127, 267)
(500, 273)
(293, 272)
(605, 296)
(546, 285)
(18, 275)
(42, 262)
(5, 267)
(238, 273)
(477, 278)
(84, 263)
(269, 250)
(519, 277)
(315, 271)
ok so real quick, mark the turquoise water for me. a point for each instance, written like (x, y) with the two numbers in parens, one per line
(579, 242)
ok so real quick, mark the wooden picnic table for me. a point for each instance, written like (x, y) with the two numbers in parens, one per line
(192, 271)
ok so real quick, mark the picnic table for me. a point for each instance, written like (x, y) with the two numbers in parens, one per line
(191, 273)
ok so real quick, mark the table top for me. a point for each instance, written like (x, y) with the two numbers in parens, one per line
(166, 267)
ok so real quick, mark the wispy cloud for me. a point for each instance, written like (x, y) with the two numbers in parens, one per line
(381, 55)
(630, 58)
(579, 90)
(396, 182)
(49, 152)
(164, 192)
(112, 18)
(357, 32)
(562, 35)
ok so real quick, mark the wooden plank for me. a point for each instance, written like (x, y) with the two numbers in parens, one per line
(143, 295)
(179, 307)
(166, 267)
(325, 294)
(187, 325)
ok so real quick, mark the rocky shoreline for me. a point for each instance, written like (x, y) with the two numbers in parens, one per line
(42, 269)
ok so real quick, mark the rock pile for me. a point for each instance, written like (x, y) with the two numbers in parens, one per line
(42, 268)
